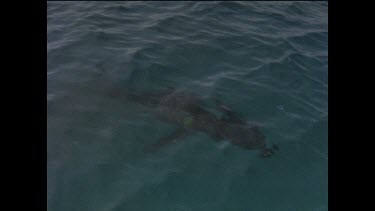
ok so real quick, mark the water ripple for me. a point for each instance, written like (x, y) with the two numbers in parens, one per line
(267, 61)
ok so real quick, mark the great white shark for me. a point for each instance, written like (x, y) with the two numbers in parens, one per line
(186, 111)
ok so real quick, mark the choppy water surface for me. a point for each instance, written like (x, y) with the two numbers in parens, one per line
(267, 61)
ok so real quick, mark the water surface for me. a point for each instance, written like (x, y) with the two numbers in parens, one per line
(267, 61)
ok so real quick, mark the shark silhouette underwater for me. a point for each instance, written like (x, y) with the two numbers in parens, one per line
(186, 111)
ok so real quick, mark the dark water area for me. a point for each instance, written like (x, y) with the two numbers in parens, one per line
(267, 61)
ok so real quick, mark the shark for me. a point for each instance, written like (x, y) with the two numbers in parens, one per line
(187, 111)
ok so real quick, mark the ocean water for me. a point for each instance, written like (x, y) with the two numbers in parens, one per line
(267, 61)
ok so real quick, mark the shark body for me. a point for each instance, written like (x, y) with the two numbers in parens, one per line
(186, 111)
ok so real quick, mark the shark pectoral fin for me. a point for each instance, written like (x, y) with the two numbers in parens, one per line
(232, 117)
(229, 115)
(177, 135)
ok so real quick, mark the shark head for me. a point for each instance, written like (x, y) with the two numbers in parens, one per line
(244, 136)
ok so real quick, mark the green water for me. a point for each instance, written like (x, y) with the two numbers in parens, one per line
(265, 60)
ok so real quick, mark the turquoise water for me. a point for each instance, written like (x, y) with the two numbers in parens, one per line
(267, 61)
